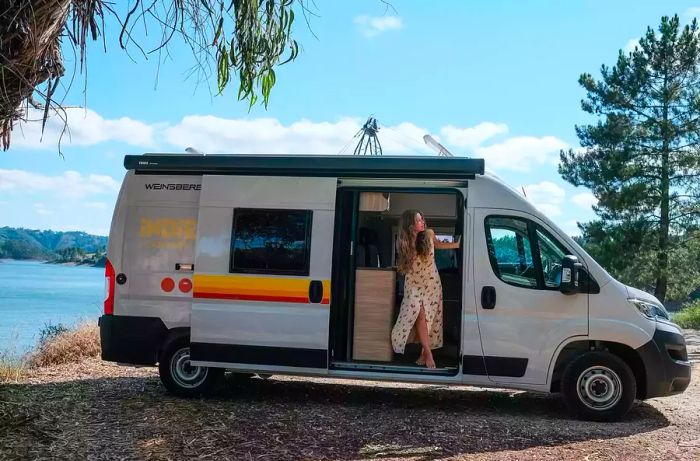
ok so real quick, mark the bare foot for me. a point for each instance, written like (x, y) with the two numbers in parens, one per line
(421, 359)
(429, 362)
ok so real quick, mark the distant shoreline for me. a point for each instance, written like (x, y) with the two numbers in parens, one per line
(47, 261)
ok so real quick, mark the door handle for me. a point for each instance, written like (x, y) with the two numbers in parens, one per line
(315, 291)
(488, 297)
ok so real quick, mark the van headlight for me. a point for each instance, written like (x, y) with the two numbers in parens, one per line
(649, 309)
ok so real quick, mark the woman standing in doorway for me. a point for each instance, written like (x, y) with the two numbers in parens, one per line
(421, 307)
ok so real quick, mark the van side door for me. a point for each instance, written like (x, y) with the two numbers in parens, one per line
(522, 315)
(262, 272)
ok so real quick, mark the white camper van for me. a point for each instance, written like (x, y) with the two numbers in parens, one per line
(286, 265)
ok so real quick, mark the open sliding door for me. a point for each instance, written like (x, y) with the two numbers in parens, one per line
(262, 272)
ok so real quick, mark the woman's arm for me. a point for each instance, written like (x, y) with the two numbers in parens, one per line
(444, 245)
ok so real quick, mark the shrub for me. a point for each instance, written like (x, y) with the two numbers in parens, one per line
(689, 315)
(67, 346)
(51, 331)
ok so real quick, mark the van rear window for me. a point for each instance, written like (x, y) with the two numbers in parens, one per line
(266, 241)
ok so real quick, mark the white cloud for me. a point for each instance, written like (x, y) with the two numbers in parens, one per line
(631, 44)
(547, 197)
(371, 26)
(70, 185)
(521, 153)
(268, 136)
(585, 200)
(41, 209)
(85, 128)
(473, 137)
(96, 205)
(571, 228)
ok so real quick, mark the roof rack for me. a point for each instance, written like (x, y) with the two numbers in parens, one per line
(341, 166)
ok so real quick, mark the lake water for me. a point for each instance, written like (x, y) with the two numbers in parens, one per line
(33, 295)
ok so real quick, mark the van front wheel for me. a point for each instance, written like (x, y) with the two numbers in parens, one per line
(182, 378)
(599, 386)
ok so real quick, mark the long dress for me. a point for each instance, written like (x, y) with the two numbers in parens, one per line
(422, 287)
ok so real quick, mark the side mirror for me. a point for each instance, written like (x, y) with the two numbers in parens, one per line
(570, 268)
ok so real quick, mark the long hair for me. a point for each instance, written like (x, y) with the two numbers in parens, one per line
(423, 244)
(407, 240)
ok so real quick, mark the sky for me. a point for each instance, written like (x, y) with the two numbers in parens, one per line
(490, 79)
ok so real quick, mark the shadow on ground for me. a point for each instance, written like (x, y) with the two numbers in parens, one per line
(287, 419)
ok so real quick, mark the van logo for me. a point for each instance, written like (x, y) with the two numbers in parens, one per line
(168, 228)
(171, 186)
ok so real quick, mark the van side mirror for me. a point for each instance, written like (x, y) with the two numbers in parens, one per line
(570, 269)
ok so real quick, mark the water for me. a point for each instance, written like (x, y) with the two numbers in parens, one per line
(34, 294)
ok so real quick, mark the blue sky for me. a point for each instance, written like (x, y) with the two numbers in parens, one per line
(491, 79)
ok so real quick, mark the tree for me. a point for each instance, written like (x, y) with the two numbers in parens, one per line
(641, 159)
(248, 38)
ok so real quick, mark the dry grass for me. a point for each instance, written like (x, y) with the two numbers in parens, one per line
(70, 347)
(11, 371)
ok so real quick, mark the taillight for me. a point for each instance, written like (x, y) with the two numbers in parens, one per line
(109, 288)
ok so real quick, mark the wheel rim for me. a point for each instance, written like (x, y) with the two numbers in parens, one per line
(184, 374)
(599, 388)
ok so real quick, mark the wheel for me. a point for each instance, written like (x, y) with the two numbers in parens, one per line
(183, 379)
(598, 386)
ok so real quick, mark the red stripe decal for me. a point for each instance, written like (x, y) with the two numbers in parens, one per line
(284, 299)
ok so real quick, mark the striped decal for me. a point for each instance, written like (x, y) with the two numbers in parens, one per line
(256, 288)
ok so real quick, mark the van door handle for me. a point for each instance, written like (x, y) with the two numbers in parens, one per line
(488, 297)
(315, 291)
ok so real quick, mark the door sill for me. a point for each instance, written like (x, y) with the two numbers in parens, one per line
(397, 369)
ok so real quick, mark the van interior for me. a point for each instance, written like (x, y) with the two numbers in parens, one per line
(367, 289)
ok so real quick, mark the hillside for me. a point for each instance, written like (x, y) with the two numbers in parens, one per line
(18, 243)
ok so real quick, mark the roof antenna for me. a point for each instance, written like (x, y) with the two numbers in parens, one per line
(193, 151)
(369, 143)
(439, 148)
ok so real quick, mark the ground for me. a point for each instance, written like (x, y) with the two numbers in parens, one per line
(98, 410)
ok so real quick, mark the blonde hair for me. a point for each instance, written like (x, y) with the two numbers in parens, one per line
(407, 240)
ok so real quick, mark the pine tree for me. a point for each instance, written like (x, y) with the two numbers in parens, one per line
(642, 158)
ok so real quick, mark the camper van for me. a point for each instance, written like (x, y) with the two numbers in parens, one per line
(287, 265)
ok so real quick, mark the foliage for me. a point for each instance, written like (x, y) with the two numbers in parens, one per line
(67, 346)
(641, 160)
(50, 332)
(246, 38)
(689, 316)
(61, 247)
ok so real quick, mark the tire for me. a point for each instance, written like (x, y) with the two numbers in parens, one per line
(182, 379)
(598, 386)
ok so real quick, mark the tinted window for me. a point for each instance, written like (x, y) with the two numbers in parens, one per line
(271, 241)
(510, 251)
(551, 254)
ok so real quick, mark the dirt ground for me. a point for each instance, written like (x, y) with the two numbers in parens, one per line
(95, 410)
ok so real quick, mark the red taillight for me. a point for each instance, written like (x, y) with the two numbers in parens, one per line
(109, 288)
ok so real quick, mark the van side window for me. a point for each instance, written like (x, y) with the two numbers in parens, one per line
(510, 251)
(268, 241)
(551, 254)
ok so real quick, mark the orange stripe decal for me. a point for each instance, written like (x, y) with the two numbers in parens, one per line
(256, 288)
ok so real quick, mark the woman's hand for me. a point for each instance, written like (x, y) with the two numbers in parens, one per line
(445, 245)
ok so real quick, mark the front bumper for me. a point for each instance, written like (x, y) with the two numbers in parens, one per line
(666, 365)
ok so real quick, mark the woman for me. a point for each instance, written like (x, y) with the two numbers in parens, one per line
(421, 307)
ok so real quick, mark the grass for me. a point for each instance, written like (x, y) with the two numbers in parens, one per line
(66, 346)
(689, 315)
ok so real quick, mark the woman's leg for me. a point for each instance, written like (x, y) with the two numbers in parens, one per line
(422, 328)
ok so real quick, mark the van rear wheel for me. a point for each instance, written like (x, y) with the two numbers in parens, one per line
(599, 386)
(182, 378)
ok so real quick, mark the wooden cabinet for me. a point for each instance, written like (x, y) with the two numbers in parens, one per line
(374, 311)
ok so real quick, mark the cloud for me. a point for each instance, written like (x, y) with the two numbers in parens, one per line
(85, 128)
(96, 205)
(371, 26)
(70, 185)
(547, 197)
(585, 200)
(473, 137)
(268, 136)
(41, 209)
(521, 153)
(631, 45)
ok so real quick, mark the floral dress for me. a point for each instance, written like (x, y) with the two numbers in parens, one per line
(422, 288)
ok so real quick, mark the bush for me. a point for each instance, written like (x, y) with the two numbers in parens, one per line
(60, 346)
(689, 315)
(51, 331)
